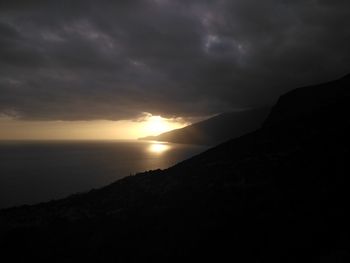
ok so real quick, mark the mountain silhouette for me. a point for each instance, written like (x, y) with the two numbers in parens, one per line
(278, 194)
(217, 129)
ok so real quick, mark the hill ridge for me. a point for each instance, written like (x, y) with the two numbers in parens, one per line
(278, 194)
(217, 129)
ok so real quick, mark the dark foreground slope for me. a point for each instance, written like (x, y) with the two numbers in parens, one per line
(279, 194)
(216, 129)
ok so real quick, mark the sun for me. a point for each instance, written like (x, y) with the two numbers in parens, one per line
(156, 125)
(153, 125)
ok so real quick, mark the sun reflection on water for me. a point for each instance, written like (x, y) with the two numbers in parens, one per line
(158, 147)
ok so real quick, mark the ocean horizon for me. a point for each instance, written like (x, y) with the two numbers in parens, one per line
(34, 171)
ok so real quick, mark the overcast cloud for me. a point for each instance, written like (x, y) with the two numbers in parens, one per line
(84, 60)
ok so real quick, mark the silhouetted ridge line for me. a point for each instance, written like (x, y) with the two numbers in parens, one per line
(306, 100)
(217, 129)
(278, 194)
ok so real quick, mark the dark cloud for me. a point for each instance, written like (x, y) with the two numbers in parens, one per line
(81, 60)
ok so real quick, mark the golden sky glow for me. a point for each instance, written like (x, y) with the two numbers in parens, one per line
(11, 129)
(155, 125)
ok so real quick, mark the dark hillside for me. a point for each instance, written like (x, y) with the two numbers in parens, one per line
(217, 129)
(278, 194)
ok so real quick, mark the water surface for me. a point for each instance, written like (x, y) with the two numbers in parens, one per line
(32, 172)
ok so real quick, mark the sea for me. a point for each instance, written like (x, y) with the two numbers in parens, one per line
(40, 171)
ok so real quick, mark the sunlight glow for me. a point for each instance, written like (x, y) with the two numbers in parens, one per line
(158, 148)
(147, 125)
(155, 125)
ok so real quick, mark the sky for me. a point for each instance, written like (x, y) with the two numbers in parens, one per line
(66, 66)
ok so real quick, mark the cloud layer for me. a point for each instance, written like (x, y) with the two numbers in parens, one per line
(84, 60)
